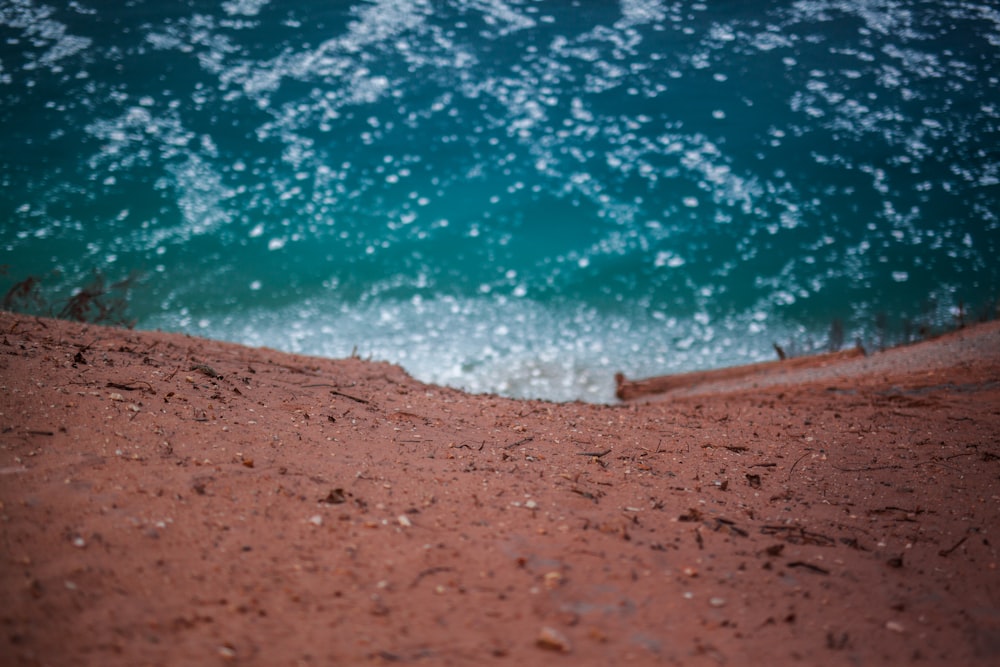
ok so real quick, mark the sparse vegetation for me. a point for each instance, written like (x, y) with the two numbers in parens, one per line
(884, 335)
(97, 301)
(836, 335)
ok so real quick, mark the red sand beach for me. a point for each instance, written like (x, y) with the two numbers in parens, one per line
(169, 500)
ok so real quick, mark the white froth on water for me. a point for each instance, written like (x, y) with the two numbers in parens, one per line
(513, 347)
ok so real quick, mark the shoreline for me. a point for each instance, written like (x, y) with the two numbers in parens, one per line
(962, 346)
(170, 499)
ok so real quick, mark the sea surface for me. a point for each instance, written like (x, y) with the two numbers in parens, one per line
(510, 196)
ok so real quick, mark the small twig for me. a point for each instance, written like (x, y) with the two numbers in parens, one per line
(130, 386)
(207, 370)
(809, 566)
(893, 508)
(798, 535)
(429, 571)
(348, 396)
(586, 494)
(868, 468)
(792, 469)
(596, 455)
(947, 552)
(466, 445)
(519, 442)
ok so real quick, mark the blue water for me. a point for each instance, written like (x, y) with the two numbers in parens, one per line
(518, 196)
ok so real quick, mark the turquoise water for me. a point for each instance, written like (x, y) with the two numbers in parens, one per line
(520, 197)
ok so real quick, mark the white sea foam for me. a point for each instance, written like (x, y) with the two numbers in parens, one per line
(244, 7)
(51, 38)
(514, 347)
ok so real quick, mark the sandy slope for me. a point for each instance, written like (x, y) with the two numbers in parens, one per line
(171, 500)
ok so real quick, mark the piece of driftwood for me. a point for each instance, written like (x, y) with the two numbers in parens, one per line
(632, 389)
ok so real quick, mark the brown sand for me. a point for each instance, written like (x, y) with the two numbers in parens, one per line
(167, 500)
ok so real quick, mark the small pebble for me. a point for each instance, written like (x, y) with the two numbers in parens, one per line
(79, 542)
(316, 520)
(717, 602)
(404, 521)
(895, 626)
(553, 640)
